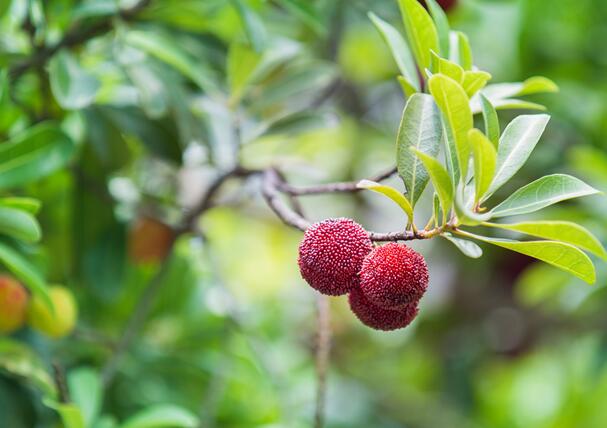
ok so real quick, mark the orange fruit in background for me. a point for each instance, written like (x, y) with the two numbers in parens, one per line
(150, 240)
(13, 304)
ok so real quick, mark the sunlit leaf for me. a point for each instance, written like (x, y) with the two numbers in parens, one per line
(516, 144)
(70, 414)
(440, 179)
(161, 416)
(29, 205)
(72, 86)
(491, 121)
(85, 389)
(420, 128)
(19, 224)
(406, 86)
(563, 231)
(454, 105)
(563, 256)
(484, 162)
(442, 26)
(541, 193)
(391, 193)
(451, 69)
(400, 50)
(421, 32)
(459, 50)
(474, 81)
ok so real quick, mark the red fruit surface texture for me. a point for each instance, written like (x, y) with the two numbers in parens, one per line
(393, 276)
(331, 255)
(379, 318)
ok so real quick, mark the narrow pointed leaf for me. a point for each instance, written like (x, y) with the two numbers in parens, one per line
(406, 86)
(516, 144)
(19, 224)
(474, 81)
(484, 162)
(391, 193)
(420, 128)
(399, 49)
(436, 208)
(421, 32)
(162, 415)
(440, 179)
(558, 254)
(29, 205)
(563, 231)
(442, 26)
(252, 24)
(491, 121)
(541, 193)
(468, 248)
(451, 69)
(533, 85)
(464, 51)
(455, 108)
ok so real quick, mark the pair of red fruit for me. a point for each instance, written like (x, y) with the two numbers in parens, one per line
(385, 283)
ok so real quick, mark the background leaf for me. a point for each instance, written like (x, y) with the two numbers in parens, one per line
(160, 416)
(442, 26)
(421, 32)
(73, 87)
(19, 224)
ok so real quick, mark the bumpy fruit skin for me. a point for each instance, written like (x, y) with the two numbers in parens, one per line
(331, 255)
(62, 321)
(150, 240)
(379, 318)
(13, 304)
(393, 276)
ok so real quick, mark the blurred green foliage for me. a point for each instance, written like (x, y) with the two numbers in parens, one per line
(137, 119)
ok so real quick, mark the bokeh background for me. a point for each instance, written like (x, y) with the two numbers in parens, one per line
(499, 342)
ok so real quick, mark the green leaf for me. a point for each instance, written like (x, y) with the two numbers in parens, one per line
(25, 272)
(474, 81)
(19, 224)
(161, 46)
(406, 86)
(442, 26)
(252, 23)
(162, 415)
(29, 205)
(451, 69)
(454, 105)
(563, 231)
(73, 87)
(533, 85)
(436, 208)
(469, 248)
(70, 414)
(399, 49)
(516, 144)
(541, 193)
(420, 128)
(515, 104)
(33, 154)
(563, 256)
(421, 32)
(484, 162)
(307, 12)
(460, 51)
(491, 121)
(391, 193)
(85, 389)
(242, 62)
(20, 360)
(440, 179)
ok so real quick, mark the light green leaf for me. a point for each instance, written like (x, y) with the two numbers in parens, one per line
(541, 193)
(242, 62)
(469, 248)
(436, 209)
(20, 360)
(72, 86)
(474, 81)
(516, 144)
(515, 104)
(33, 154)
(161, 416)
(451, 69)
(454, 105)
(441, 181)
(399, 49)
(484, 162)
(421, 32)
(460, 51)
(70, 414)
(491, 121)
(85, 389)
(420, 128)
(442, 26)
(391, 193)
(563, 231)
(19, 224)
(253, 25)
(406, 86)
(162, 46)
(29, 205)
(533, 85)
(563, 256)
(25, 272)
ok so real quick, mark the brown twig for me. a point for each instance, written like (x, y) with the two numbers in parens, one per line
(323, 348)
(60, 382)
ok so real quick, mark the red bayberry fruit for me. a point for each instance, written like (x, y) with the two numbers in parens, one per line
(445, 4)
(331, 255)
(379, 318)
(393, 276)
